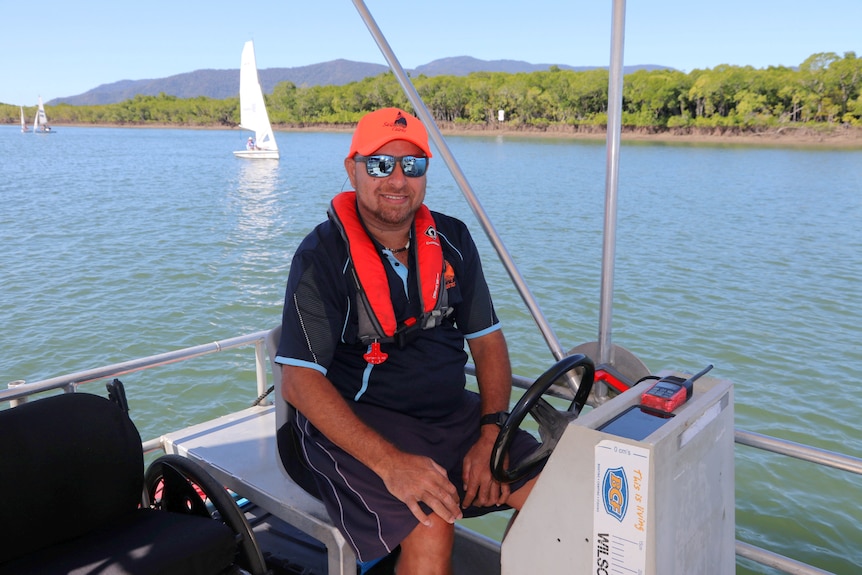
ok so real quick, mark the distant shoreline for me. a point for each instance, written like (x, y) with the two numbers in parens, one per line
(845, 137)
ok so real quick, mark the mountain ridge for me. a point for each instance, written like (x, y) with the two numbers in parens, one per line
(221, 84)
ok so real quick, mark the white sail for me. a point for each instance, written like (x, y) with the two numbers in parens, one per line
(252, 108)
(40, 123)
(24, 127)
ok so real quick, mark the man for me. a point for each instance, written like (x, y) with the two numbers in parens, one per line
(379, 302)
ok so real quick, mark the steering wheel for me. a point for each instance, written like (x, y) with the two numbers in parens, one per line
(551, 422)
(179, 485)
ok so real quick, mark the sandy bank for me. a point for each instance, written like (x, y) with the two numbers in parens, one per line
(843, 137)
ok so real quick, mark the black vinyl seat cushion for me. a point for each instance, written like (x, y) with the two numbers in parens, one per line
(145, 542)
(71, 482)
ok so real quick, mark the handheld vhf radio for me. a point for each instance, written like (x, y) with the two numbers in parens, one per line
(670, 392)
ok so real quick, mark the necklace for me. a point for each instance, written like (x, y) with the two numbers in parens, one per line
(398, 250)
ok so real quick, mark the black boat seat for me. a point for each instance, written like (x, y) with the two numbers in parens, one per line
(72, 481)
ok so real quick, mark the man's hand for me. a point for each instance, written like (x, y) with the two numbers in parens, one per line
(494, 376)
(414, 478)
(480, 487)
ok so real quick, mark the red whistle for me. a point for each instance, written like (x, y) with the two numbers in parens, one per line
(375, 356)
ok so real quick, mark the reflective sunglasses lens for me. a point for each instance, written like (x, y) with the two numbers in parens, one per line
(379, 166)
(414, 167)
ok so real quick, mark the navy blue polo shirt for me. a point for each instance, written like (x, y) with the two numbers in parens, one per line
(320, 324)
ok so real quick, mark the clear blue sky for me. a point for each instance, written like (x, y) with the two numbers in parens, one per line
(67, 48)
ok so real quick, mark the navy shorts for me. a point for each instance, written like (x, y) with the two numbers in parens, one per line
(371, 519)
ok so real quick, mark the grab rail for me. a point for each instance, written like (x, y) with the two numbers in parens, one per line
(18, 392)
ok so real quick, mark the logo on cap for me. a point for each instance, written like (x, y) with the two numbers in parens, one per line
(399, 124)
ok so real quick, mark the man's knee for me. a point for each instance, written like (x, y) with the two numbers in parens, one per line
(440, 533)
(519, 497)
(428, 549)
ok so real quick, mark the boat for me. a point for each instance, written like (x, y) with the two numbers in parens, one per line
(40, 123)
(24, 127)
(670, 475)
(252, 109)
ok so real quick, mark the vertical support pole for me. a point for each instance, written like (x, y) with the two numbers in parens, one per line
(12, 385)
(260, 361)
(615, 104)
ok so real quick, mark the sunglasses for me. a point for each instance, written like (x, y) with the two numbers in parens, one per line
(381, 166)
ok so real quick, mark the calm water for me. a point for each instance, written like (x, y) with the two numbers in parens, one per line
(124, 243)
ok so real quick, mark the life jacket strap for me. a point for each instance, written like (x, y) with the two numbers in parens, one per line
(377, 318)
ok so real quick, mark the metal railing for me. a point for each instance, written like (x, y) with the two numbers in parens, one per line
(798, 451)
(19, 391)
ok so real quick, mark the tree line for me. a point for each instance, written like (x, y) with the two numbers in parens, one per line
(826, 89)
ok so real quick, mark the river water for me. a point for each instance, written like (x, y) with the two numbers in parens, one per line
(121, 243)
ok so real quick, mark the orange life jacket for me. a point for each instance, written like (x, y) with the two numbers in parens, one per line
(377, 322)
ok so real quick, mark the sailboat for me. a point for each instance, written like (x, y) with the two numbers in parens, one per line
(252, 109)
(40, 124)
(24, 127)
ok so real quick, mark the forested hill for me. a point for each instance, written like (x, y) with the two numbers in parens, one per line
(824, 91)
(221, 84)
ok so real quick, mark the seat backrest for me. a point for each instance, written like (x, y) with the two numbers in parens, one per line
(272, 339)
(70, 463)
(290, 460)
(282, 408)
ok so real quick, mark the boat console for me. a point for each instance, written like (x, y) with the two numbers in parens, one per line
(645, 492)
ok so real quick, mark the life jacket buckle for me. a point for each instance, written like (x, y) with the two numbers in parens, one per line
(406, 332)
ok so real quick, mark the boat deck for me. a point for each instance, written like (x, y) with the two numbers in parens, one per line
(286, 549)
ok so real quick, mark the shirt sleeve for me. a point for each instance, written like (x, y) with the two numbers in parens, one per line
(316, 305)
(474, 314)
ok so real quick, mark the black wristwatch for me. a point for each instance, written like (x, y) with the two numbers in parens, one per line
(497, 419)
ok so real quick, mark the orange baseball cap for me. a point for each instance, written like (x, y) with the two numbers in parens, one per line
(378, 128)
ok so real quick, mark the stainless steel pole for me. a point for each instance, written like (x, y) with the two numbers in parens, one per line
(615, 104)
(461, 180)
